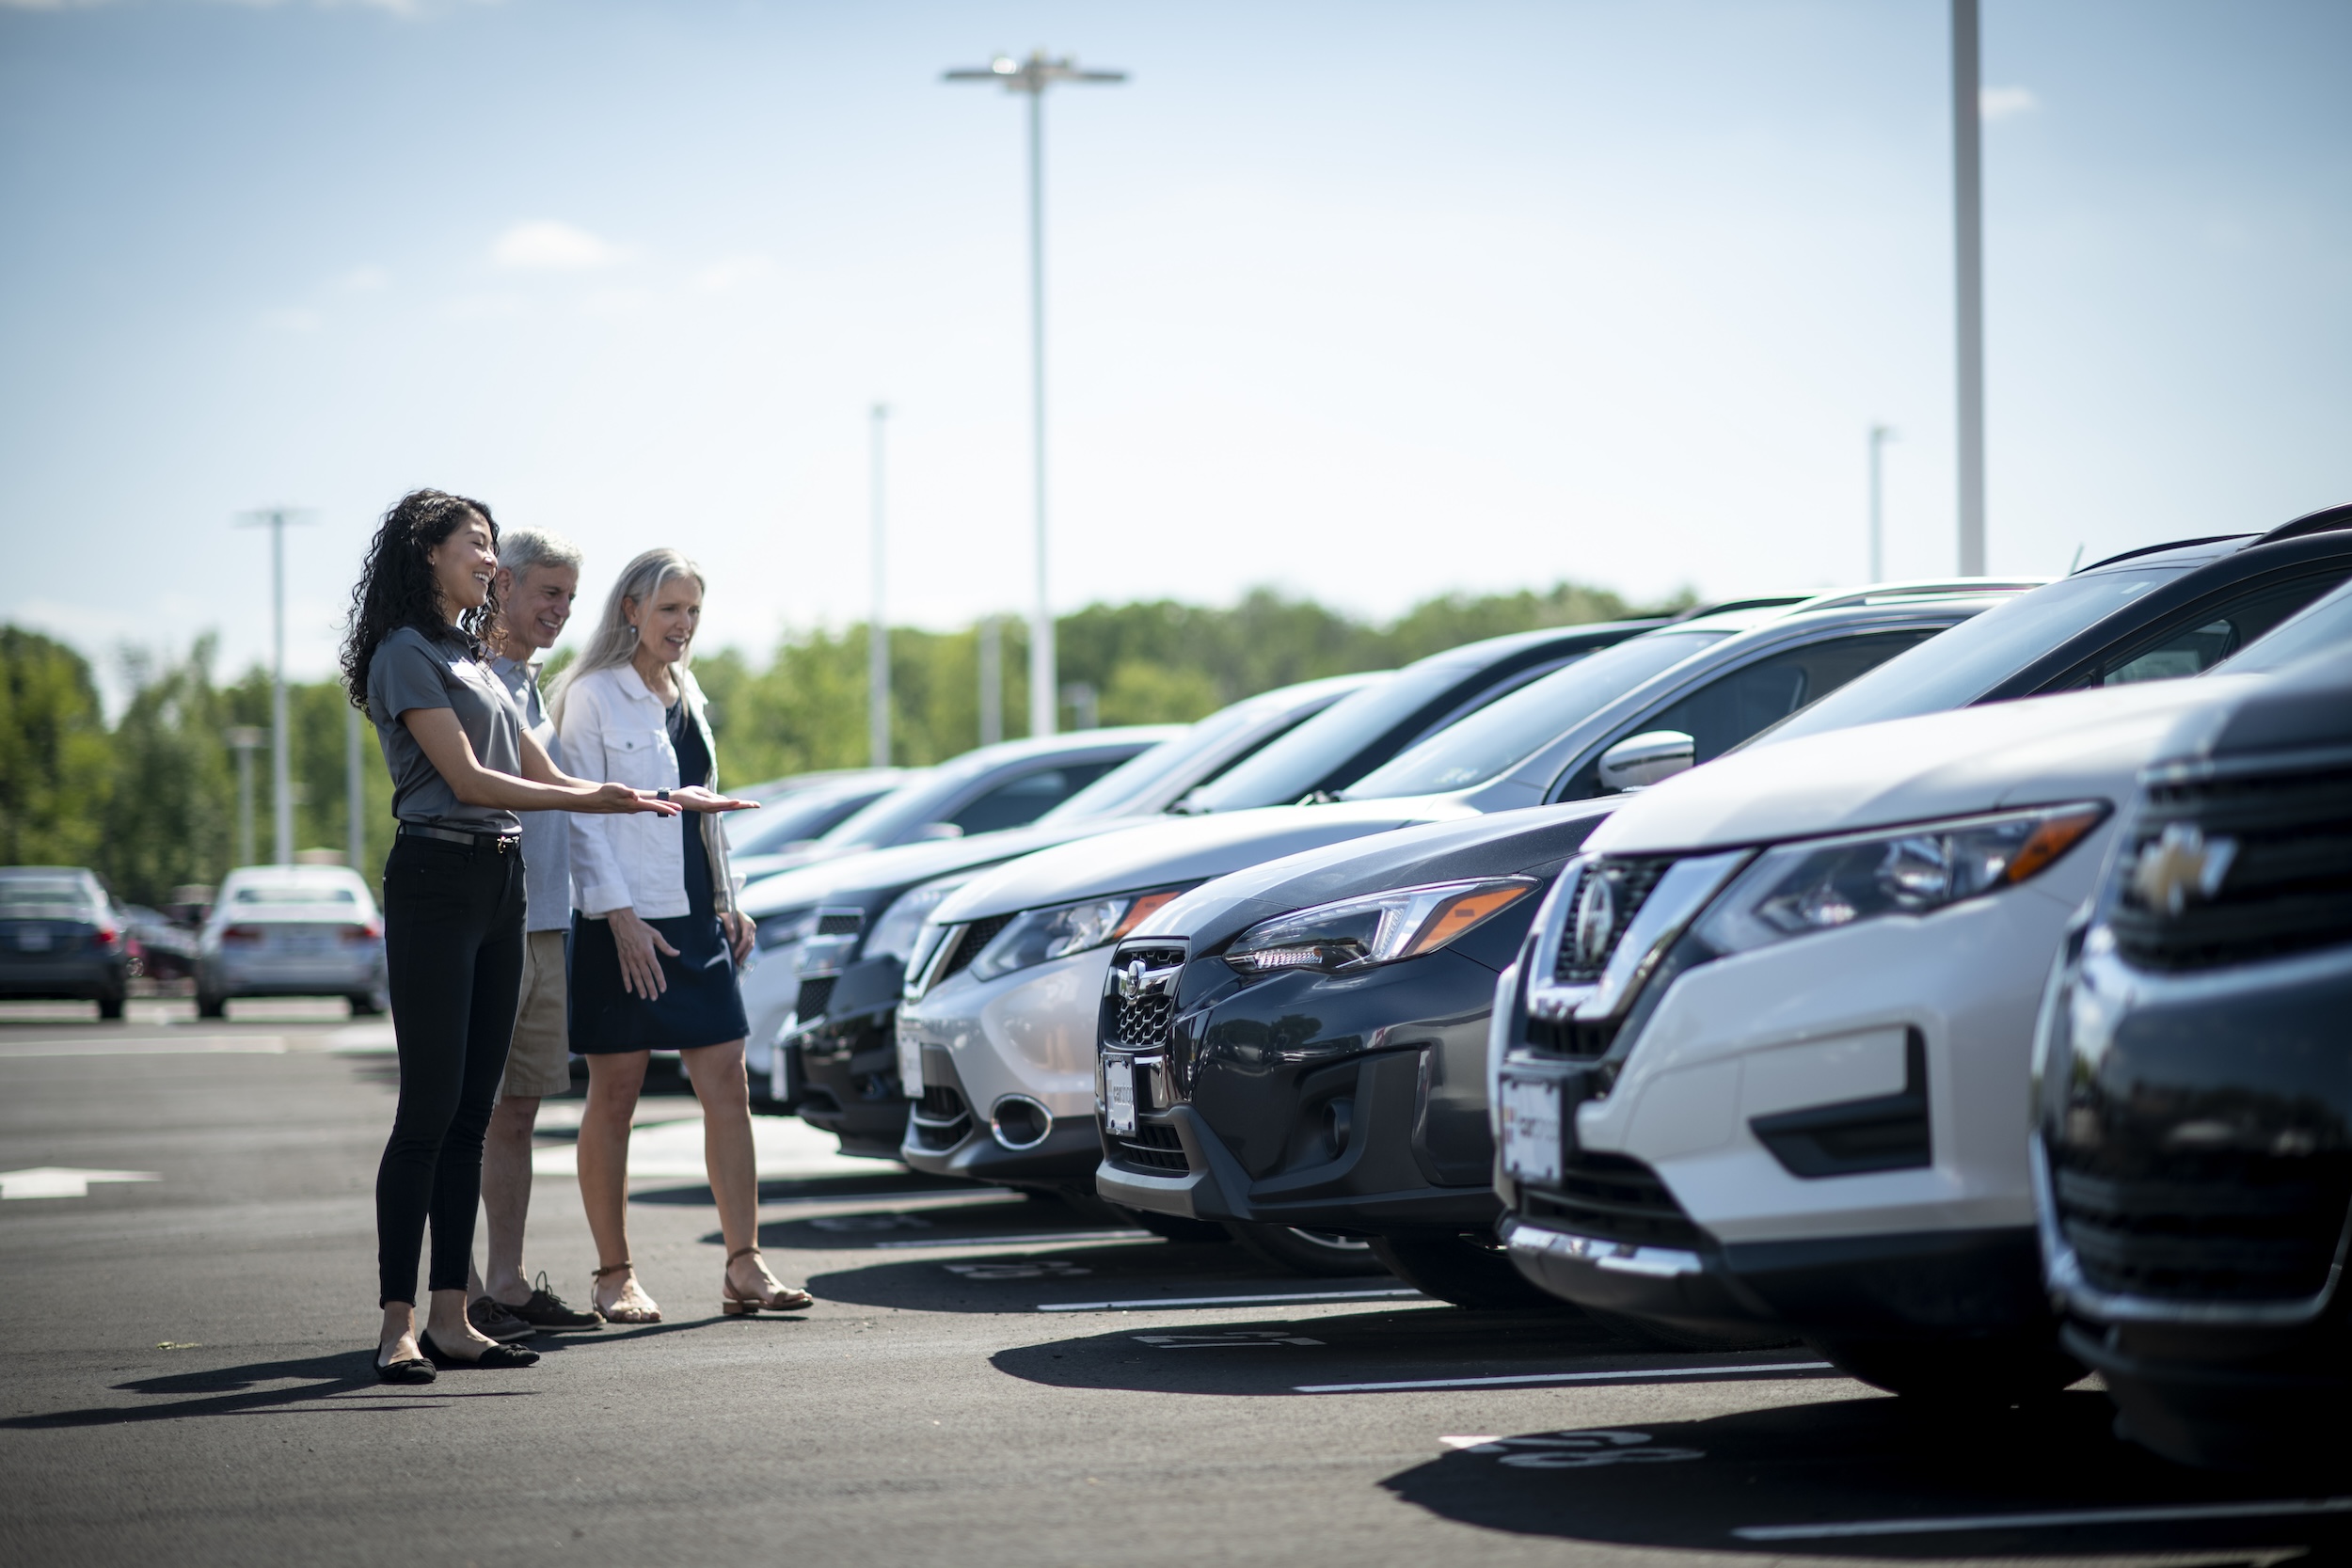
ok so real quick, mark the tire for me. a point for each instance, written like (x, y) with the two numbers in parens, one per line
(1463, 1269)
(1317, 1253)
(363, 1006)
(110, 1005)
(208, 1005)
(1652, 1335)
(1959, 1376)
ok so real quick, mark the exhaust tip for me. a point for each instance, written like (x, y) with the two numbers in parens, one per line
(1020, 1123)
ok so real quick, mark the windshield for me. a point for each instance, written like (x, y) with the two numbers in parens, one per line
(2325, 625)
(1301, 760)
(1130, 782)
(804, 814)
(1505, 733)
(1958, 667)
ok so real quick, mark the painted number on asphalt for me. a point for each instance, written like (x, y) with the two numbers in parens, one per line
(1034, 1268)
(1209, 1341)
(1580, 1451)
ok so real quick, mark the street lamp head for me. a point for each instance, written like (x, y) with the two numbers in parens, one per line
(1032, 76)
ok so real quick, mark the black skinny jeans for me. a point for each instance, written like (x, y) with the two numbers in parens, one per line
(453, 944)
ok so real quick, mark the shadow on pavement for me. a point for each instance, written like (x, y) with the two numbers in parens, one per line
(1869, 1476)
(239, 1391)
(1303, 1357)
(885, 1182)
(1142, 1271)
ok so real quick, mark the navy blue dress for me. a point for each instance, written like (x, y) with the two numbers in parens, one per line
(703, 1005)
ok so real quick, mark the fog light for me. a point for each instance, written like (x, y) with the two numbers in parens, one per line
(1020, 1122)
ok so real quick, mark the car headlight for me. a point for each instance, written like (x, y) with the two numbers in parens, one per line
(1034, 936)
(895, 931)
(1799, 888)
(1359, 934)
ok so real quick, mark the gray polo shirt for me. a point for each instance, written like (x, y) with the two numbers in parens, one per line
(413, 671)
(546, 834)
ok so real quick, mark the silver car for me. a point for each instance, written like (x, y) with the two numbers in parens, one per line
(292, 931)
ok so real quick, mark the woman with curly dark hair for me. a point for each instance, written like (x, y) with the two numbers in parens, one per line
(461, 765)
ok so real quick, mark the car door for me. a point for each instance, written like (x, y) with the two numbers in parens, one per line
(1730, 705)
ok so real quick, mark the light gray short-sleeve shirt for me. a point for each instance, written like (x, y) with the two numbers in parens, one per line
(546, 834)
(412, 671)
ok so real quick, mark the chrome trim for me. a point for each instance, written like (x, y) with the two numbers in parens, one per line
(1656, 1262)
(1687, 888)
(2062, 1269)
(997, 1126)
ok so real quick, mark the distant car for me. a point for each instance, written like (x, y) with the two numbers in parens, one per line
(60, 937)
(292, 931)
(2191, 1172)
(793, 814)
(161, 947)
(987, 790)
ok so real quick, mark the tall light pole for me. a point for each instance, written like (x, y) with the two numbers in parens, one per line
(878, 624)
(1033, 76)
(992, 662)
(281, 762)
(245, 739)
(1968, 270)
(1879, 435)
(355, 793)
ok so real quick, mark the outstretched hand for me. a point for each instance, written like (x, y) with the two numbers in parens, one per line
(695, 797)
(619, 800)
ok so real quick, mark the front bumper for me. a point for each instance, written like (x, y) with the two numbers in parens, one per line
(849, 1081)
(322, 977)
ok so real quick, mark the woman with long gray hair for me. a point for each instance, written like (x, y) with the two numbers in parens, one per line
(655, 935)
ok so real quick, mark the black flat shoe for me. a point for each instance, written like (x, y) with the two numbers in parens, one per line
(495, 1357)
(408, 1368)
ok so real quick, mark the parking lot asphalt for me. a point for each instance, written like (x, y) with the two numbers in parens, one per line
(185, 1378)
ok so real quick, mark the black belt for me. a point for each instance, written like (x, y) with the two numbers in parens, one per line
(504, 843)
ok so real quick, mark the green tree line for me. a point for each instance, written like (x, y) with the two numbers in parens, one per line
(151, 801)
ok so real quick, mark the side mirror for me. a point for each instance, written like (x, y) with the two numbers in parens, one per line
(932, 830)
(1643, 760)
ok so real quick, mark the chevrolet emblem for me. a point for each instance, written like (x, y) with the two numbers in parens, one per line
(2179, 864)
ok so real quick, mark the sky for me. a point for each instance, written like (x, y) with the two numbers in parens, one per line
(1361, 301)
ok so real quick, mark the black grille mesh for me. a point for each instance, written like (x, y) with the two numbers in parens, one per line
(1614, 1199)
(1143, 1023)
(1152, 1147)
(2289, 885)
(1631, 883)
(840, 923)
(976, 935)
(2239, 1228)
(814, 993)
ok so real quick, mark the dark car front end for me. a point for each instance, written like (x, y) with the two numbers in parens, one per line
(2193, 1158)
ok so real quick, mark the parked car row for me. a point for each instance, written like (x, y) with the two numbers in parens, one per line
(1689, 973)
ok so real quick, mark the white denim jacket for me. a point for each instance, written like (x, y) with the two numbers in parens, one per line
(614, 729)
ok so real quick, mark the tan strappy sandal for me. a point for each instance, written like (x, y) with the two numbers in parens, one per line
(616, 1313)
(735, 1304)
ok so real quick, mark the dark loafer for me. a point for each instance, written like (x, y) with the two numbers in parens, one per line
(546, 1310)
(497, 1357)
(494, 1320)
(406, 1370)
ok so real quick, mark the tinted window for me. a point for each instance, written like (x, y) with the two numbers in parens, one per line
(2219, 632)
(1303, 759)
(1969, 661)
(1021, 801)
(898, 814)
(61, 897)
(804, 814)
(1170, 764)
(1738, 703)
(282, 893)
(1514, 728)
(2325, 625)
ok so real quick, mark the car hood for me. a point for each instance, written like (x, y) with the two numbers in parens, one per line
(1180, 849)
(2073, 746)
(905, 864)
(1500, 844)
(2304, 706)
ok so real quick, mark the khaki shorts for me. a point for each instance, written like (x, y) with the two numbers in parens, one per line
(539, 1063)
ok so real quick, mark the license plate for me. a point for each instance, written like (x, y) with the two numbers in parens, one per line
(1118, 1092)
(33, 939)
(1531, 1130)
(910, 1061)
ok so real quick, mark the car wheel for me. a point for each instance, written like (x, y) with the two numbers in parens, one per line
(1463, 1269)
(1653, 1335)
(210, 1005)
(364, 1006)
(110, 1005)
(1979, 1376)
(1308, 1252)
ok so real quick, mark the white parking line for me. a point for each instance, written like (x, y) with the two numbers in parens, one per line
(1041, 1237)
(2283, 1507)
(1406, 1295)
(1623, 1375)
(176, 1045)
(63, 1180)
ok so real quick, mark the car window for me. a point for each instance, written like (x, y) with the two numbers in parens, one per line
(1118, 787)
(1499, 736)
(2325, 625)
(2219, 633)
(785, 821)
(1741, 701)
(1969, 661)
(50, 897)
(285, 892)
(1021, 801)
(1303, 759)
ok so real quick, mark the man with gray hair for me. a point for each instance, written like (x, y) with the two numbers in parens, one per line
(538, 578)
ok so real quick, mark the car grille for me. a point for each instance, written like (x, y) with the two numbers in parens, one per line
(1152, 1147)
(1631, 883)
(1144, 1022)
(1615, 1198)
(814, 993)
(975, 937)
(941, 1119)
(2289, 885)
(1569, 1037)
(2240, 1230)
(840, 923)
